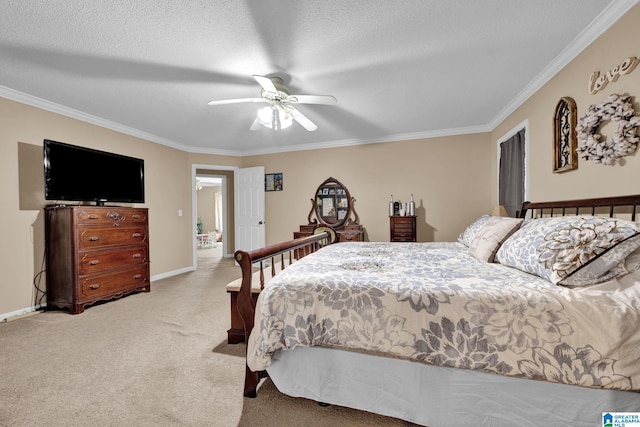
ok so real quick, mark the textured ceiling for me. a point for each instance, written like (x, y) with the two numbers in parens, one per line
(399, 69)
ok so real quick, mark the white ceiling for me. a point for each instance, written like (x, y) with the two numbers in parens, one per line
(400, 69)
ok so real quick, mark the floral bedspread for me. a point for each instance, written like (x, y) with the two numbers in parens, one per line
(432, 302)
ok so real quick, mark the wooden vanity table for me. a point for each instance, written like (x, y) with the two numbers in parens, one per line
(332, 210)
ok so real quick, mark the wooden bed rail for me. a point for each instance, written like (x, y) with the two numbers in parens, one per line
(631, 205)
(292, 249)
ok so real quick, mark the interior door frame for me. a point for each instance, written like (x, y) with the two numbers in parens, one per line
(194, 207)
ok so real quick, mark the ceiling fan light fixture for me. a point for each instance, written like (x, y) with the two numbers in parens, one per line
(279, 114)
(275, 117)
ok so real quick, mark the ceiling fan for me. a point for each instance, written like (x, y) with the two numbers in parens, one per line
(280, 114)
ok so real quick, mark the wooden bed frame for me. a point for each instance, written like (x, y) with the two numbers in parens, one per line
(296, 248)
(283, 254)
(624, 204)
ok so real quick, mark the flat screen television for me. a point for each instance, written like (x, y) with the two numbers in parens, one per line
(73, 173)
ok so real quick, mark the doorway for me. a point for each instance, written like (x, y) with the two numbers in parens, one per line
(226, 176)
(210, 215)
(229, 175)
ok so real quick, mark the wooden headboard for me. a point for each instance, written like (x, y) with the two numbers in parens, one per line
(611, 206)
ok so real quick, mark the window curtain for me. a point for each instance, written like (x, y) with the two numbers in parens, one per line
(511, 176)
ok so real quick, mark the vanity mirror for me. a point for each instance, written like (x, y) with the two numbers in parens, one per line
(332, 208)
(332, 203)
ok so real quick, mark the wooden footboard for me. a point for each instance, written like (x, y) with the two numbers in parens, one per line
(267, 258)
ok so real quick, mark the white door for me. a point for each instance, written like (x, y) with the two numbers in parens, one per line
(249, 207)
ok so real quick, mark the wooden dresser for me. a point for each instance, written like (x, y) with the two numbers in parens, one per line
(95, 253)
(347, 233)
(403, 228)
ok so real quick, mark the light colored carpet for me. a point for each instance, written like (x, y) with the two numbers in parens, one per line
(149, 359)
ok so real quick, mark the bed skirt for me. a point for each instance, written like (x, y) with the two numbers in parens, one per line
(439, 396)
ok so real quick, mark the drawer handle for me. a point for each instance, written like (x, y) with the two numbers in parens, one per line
(137, 276)
(136, 235)
(94, 262)
(136, 256)
(135, 216)
(94, 238)
(93, 216)
(114, 216)
(94, 286)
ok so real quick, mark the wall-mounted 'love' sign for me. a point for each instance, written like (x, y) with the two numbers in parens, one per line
(598, 82)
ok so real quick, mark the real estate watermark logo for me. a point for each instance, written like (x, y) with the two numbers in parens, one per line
(621, 419)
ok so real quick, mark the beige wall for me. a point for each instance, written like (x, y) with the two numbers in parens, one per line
(590, 179)
(206, 207)
(448, 176)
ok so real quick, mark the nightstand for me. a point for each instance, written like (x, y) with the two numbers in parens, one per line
(403, 228)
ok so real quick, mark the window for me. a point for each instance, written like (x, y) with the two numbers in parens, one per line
(512, 170)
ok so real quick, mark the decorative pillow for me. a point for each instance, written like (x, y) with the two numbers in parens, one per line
(469, 233)
(632, 262)
(572, 250)
(488, 238)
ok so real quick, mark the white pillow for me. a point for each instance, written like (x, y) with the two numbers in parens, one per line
(488, 238)
(469, 233)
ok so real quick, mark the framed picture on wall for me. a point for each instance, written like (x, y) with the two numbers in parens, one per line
(273, 181)
(565, 142)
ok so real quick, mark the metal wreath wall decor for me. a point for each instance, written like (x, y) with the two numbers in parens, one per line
(565, 157)
(624, 142)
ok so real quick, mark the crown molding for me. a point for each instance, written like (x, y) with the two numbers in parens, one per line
(609, 16)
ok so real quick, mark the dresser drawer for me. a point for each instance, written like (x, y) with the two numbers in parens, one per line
(307, 229)
(403, 221)
(89, 237)
(98, 260)
(111, 283)
(407, 238)
(349, 237)
(403, 232)
(403, 227)
(112, 216)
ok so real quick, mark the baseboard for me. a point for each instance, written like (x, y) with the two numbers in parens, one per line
(29, 311)
(172, 273)
(19, 314)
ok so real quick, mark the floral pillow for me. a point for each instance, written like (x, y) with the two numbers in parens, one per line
(469, 233)
(632, 262)
(572, 250)
(488, 238)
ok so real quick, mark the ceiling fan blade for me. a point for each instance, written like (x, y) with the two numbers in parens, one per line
(266, 83)
(303, 120)
(313, 99)
(236, 101)
(256, 125)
